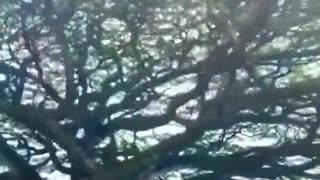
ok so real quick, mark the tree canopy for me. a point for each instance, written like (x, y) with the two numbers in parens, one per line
(159, 89)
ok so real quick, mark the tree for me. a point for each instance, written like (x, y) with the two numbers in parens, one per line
(138, 89)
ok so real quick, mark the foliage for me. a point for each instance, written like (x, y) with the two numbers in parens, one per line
(141, 89)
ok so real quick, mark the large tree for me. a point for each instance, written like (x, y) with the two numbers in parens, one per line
(141, 89)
